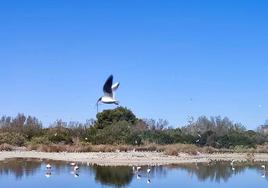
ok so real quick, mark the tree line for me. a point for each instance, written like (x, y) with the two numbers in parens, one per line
(121, 126)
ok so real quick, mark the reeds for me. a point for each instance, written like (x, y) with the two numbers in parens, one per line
(172, 149)
(6, 147)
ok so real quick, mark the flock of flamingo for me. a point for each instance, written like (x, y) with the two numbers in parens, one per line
(75, 171)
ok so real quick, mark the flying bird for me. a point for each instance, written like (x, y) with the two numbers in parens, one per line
(109, 92)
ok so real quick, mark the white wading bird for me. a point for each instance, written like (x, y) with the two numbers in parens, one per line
(76, 168)
(148, 170)
(109, 92)
(48, 166)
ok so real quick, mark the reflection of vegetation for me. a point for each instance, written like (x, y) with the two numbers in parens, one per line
(19, 167)
(26, 167)
(122, 176)
(118, 176)
(217, 171)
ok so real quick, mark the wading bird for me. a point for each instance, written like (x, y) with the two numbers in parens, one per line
(48, 166)
(76, 168)
(109, 92)
(148, 170)
(232, 165)
(72, 163)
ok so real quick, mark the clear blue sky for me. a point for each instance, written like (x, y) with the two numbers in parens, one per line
(174, 59)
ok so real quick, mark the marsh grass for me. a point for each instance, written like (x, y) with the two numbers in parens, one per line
(172, 149)
(6, 147)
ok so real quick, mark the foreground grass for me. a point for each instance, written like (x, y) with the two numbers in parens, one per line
(173, 149)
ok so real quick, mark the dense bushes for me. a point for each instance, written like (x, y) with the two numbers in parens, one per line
(109, 117)
(15, 139)
(121, 127)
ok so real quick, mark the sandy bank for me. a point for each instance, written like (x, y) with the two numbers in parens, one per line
(130, 158)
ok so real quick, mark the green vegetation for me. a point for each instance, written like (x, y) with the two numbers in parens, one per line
(121, 129)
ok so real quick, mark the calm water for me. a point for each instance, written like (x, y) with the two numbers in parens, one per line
(32, 173)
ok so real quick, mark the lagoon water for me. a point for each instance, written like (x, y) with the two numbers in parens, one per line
(25, 173)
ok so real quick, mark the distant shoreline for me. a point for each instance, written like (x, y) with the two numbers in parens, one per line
(132, 158)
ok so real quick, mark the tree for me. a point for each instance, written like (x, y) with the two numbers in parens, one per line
(109, 117)
(32, 127)
(160, 124)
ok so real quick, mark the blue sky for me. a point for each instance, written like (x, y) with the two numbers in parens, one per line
(174, 59)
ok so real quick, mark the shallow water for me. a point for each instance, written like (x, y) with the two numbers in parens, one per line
(32, 173)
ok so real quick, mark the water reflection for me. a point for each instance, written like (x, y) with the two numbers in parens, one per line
(119, 176)
(19, 167)
(214, 172)
(220, 171)
(48, 173)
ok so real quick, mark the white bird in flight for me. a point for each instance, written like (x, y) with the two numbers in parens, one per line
(109, 92)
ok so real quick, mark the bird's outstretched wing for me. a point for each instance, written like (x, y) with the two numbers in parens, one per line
(107, 87)
(115, 86)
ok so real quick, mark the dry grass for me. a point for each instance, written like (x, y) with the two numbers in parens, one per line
(173, 149)
(262, 148)
(6, 147)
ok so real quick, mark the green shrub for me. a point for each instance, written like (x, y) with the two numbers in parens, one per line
(14, 139)
(109, 117)
(59, 135)
(40, 140)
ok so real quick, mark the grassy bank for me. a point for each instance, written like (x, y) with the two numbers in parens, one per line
(172, 149)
